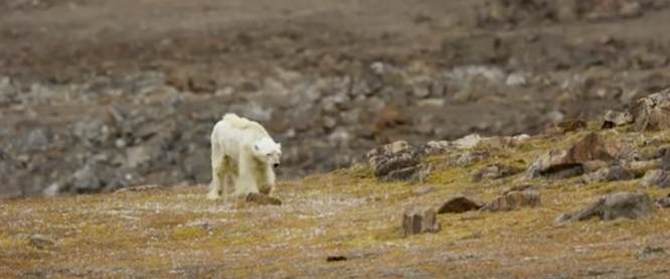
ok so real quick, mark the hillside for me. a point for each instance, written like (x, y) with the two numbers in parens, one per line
(99, 95)
(348, 224)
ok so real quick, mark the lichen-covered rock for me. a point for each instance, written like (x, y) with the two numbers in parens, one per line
(397, 161)
(663, 202)
(606, 174)
(615, 118)
(652, 113)
(665, 160)
(614, 206)
(659, 178)
(572, 161)
(514, 200)
(459, 204)
(420, 220)
(495, 171)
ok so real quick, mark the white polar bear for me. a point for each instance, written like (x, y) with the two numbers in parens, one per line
(243, 154)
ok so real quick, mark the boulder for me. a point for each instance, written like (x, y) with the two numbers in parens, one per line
(606, 174)
(665, 160)
(615, 118)
(571, 125)
(495, 171)
(659, 178)
(614, 206)
(574, 160)
(262, 199)
(652, 113)
(514, 200)
(459, 204)
(663, 202)
(420, 220)
(397, 161)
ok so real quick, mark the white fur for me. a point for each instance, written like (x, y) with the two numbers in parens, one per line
(243, 154)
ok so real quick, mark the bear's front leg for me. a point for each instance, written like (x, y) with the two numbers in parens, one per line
(267, 181)
(246, 179)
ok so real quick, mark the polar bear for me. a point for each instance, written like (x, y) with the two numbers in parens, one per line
(243, 154)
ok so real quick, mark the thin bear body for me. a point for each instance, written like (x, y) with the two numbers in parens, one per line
(243, 155)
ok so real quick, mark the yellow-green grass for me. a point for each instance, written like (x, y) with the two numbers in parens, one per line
(176, 232)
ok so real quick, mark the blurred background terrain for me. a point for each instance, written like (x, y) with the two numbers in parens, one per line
(96, 95)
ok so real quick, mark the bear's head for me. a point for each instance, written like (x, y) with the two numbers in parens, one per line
(267, 151)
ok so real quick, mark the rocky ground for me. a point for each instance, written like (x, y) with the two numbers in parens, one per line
(98, 95)
(591, 196)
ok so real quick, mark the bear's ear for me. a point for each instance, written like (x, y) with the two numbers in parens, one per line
(256, 147)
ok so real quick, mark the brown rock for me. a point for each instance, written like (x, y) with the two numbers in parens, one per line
(190, 80)
(388, 117)
(591, 147)
(177, 78)
(571, 125)
(420, 220)
(514, 200)
(614, 206)
(571, 162)
(459, 204)
(262, 199)
(652, 113)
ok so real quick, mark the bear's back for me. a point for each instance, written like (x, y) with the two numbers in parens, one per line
(242, 123)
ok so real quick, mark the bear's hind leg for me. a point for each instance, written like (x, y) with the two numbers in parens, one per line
(217, 169)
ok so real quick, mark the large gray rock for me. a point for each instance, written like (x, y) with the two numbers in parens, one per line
(614, 206)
